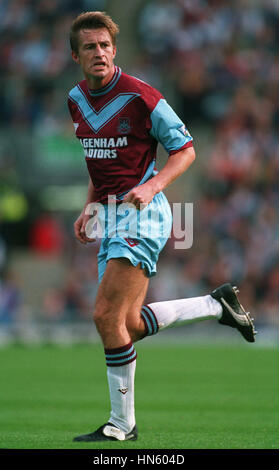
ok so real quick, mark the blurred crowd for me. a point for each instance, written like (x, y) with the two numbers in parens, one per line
(222, 57)
(36, 72)
(222, 60)
(35, 59)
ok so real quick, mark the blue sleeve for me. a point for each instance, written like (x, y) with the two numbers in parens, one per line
(168, 128)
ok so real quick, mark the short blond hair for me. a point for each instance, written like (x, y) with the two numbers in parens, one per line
(92, 20)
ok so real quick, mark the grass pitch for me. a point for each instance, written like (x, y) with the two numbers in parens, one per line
(187, 397)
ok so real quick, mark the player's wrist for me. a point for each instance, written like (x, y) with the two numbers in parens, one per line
(155, 185)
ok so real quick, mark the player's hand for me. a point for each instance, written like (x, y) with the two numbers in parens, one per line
(80, 229)
(140, 196)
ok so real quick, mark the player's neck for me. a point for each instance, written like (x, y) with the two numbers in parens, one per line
(96, 83)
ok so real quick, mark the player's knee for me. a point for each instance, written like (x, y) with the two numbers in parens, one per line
(106, 319)
(100, 316)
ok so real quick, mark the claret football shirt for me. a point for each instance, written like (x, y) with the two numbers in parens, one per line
(119, 127)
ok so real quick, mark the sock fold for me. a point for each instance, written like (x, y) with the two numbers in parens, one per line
(120, 356)
(150, 320)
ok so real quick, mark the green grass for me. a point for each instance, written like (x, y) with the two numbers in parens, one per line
(187, 397)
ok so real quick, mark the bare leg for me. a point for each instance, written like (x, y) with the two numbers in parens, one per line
(118, 303)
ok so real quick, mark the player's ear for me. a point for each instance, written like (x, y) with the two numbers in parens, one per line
(75, 57)
(114, 51)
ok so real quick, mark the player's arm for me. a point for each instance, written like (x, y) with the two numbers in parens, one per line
(80, 223)
(169, 130)
(177, 164)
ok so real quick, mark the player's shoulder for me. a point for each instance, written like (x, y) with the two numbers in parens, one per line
(147, 93)
(80, 85)
(135, 82)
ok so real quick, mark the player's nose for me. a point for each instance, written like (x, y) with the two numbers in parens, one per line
(98, 51)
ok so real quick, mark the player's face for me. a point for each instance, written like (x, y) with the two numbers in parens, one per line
(95, 56)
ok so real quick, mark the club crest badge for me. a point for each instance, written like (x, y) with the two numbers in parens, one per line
(124, 126)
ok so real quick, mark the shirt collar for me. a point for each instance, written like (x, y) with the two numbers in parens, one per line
(109, 85)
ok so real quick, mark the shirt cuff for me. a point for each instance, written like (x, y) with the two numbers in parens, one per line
(186, 146)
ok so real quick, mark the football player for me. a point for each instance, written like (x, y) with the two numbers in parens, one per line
(119, 121)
